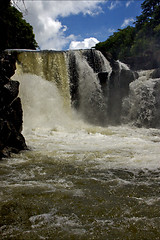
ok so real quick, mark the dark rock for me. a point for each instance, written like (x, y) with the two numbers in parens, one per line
(73, 73)
(94, 59)
(150, 61)
(155, 73)
(8, 93)
(7, 67)
(125, 78)
(11, 139)
(118, 89)
(4, 133)
(13, 89)
(103, 78)
(15, 114)
(16, 142)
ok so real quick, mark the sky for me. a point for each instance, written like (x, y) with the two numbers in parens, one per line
(77, 24)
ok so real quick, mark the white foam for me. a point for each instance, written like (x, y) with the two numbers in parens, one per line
(54, 132)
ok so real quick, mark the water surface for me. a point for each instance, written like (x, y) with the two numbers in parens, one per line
(88, 183)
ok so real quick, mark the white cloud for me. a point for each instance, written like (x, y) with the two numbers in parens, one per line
(113, 5)
(127, 21)
(129, 3)
(87, 43)
(111, 30)
(44, 16)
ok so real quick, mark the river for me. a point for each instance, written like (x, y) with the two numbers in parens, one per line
(78, 181)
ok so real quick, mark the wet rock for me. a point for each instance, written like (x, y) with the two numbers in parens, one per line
(119, 82)
(143, 62)
(8, 93)
(155, 73)
(7, 68)
(103, 78)
(11, 139)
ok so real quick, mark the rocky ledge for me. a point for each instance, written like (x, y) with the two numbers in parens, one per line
(11, 138)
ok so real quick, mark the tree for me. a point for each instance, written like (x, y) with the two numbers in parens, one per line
(15, 32)
(148, 29)
(141, 40)
(119, 43)
(150, 16)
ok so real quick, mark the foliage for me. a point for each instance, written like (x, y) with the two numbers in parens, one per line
(140, 40)
(119, 43)
(15, 32)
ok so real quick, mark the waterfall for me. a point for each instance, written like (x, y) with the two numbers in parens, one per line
(80, 77)
(122, 65)
(87, 91)
(99, 91)
(43, 105)
(142, 105)
(50, 65)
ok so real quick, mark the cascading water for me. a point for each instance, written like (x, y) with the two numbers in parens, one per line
(50, 66)
(142, 106)
(43, 104)
(72, 74)
(78, 181)
(91, 101)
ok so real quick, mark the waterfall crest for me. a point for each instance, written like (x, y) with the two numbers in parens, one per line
(80, 76)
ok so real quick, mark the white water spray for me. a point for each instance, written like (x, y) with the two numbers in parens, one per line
(43, 106)
(92, 105)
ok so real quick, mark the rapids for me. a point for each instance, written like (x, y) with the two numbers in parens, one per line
(78, 180)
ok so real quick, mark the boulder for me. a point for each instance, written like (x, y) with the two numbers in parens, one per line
(155, 73)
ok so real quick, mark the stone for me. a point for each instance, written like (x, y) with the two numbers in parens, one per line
(155, 73)
(11, 139)
(103, 78)
(8, 93)
(119, 82)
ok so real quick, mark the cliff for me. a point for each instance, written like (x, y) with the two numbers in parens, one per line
(11, 139)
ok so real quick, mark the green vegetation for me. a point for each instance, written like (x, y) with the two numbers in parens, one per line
(140, 40)
(15, 32)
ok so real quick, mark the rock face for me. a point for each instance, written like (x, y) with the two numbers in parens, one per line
(119, 82)
(155, 73)
(11, 139)
(151, 60)
(134, 97)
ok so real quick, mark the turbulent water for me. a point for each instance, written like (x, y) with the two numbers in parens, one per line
(78, 181)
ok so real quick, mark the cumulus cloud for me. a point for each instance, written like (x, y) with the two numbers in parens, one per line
(85, 44)
(127, 21)
(44, 16)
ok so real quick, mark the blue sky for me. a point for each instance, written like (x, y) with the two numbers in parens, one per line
(61, 25)
(102, 25)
